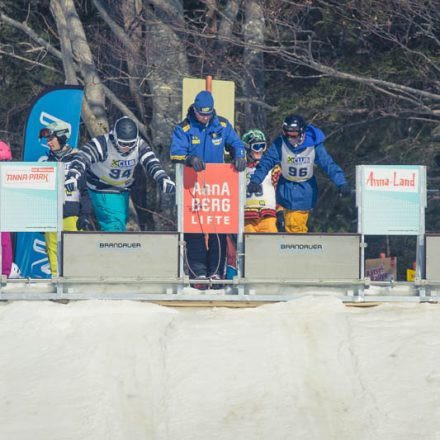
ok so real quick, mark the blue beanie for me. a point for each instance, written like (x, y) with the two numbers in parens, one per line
(204, 103)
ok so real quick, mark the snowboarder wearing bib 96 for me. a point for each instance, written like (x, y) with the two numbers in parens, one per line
(297, 150)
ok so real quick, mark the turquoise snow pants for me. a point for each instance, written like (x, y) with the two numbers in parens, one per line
(111, 210)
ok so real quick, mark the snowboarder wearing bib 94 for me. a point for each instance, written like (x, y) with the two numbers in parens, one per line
(297, 150)
(109, 162)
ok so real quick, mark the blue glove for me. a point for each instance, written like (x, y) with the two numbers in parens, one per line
(167, 185)
(281, 226)
(71, 180)
(240, 164)
(195, 162)
(254, 188)
(344, 190)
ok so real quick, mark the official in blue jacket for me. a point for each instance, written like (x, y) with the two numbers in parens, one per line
(199, 139)
(202, 136)
(297, 150)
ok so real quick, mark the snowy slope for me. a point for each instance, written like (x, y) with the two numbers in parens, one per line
(309, 369)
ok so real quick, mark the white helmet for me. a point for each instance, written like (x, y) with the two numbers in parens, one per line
(59, 129)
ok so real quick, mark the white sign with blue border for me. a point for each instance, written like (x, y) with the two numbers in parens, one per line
(391, 199)
(28, 197)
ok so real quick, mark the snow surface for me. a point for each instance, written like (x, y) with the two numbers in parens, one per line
(306, 369)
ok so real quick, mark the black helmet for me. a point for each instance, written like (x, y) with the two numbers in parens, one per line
(126, 134)
(294, 123)
(294, 128)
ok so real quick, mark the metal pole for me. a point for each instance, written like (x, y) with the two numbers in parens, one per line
(179, 203)
(60, 204)
(420, 252)
(362, 256)
(420, 257)
(240, 237)
(359, 175)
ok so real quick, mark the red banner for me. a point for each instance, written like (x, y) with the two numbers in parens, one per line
(210, 201)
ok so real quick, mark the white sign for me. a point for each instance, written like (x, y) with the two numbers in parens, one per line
(35, 178)
(29, 197)
(391, 199)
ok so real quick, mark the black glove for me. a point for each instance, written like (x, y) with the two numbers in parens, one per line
(437, 159)
(254, 188)
(240, 164)
(281, 226)
(83, 224)
(344, 191)
(195, 162)
(167, 185)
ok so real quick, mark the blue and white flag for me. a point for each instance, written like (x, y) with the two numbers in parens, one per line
(56, 104)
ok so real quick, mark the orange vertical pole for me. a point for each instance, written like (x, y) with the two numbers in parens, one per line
(208, 83)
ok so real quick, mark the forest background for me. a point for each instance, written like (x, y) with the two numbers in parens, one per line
(367, 72)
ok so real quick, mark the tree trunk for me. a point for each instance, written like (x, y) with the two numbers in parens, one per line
(65, 44)
(253, 78)
(168, 64)
(219, 50)
(94, 116)
(131, 11)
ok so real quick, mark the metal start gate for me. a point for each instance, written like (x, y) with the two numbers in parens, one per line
(271, 267)
(276, 267)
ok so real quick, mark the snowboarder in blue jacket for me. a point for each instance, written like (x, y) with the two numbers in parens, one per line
(297, 150)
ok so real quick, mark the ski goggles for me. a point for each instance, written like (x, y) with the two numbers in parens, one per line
(126, 146)
(50, 134)
(258, 147)
(46, 133)
(295, 137)
(292, 134)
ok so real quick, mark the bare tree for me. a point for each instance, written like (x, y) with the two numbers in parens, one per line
(405, 29)
(253, 60)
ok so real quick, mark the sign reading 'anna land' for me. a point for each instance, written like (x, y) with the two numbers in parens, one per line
(391, 199)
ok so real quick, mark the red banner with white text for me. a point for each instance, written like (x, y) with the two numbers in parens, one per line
(211, 199)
